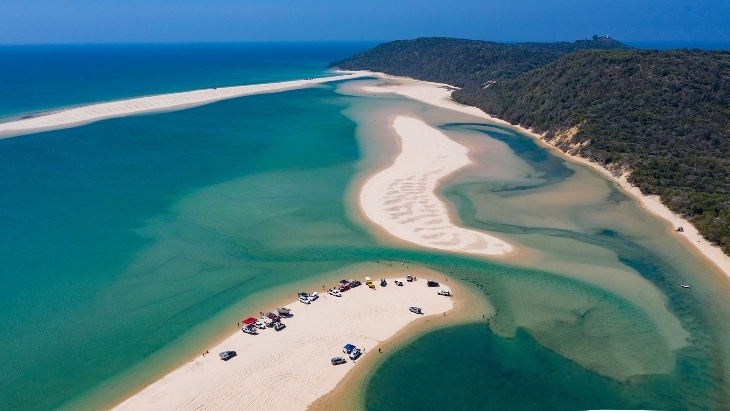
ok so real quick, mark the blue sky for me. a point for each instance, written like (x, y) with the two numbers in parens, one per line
(104, 21)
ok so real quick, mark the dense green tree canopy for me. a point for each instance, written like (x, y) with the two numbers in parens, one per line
(464, 62)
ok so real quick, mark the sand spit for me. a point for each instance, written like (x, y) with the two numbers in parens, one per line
(401, 198)
(289, 369)
(163, 102)
(439, 95)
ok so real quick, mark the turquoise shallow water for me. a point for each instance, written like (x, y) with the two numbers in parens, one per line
(99, 271)
(594, 323)
(125, 244)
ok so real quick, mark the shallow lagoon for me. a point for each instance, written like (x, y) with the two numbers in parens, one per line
(599, 285)
(132, 243)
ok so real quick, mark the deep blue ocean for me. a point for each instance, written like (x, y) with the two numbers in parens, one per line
(45, 77)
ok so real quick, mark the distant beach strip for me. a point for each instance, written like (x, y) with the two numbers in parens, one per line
(401, 198)
(163, 102)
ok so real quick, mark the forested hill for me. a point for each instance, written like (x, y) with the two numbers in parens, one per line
(662, 116)
(465, 62)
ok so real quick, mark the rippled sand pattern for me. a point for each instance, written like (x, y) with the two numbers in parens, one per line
(401, 198)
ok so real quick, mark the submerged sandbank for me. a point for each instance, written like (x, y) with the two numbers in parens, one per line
(401, 199)
(163, 102)
(289, 369)
(439, 95)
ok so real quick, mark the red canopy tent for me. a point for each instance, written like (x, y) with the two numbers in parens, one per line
(249, 321)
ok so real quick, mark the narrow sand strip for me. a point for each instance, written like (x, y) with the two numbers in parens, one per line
(163, 102)
(401, 198)
(289, 369)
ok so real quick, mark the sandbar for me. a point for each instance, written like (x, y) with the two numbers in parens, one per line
(290, 369)
(163, 102)
(401, 199)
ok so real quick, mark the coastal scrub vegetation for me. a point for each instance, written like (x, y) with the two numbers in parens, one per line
(662, 117)
(464, 62)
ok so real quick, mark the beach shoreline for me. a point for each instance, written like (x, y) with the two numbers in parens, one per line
(286, 372)
(470, 306)
(439, 95)
(86, 114)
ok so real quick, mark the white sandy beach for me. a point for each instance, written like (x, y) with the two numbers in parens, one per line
(401, 198)
(289, 369)
(162, 102)
(439, 95)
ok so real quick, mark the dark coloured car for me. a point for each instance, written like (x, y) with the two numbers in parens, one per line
(227, 355)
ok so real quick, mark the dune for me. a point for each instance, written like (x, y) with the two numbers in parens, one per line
(291, 368)
(401, 198)
(163, 102)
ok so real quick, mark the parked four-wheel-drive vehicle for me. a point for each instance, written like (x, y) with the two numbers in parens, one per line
(335, 293)
(354, 283)
(383, 283)
(432, 283)
(283, 311)
(227, 355)
(415, 310)
(399, 283)
(278, 326)
(338, 360)
(304, 300)
(355, 354)
(313, 296)
(445, 293)
(409, 278)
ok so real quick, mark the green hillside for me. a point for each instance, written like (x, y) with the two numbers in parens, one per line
(464, 62)
(662, 116)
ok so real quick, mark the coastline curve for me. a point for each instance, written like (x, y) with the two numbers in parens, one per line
(79, 116)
